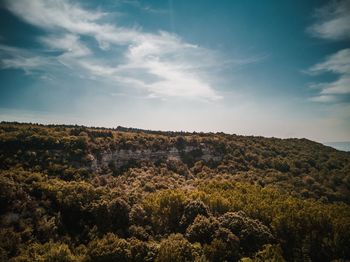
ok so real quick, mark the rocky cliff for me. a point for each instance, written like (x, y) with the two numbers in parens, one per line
(124, 157)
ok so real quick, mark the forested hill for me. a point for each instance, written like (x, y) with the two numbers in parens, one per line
(301, 167)
(97, 194)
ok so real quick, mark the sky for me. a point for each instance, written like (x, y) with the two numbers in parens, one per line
(264, 68)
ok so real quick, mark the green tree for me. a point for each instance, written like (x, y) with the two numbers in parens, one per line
(251, 232)
(224, 247)
(109, 248)
(176, 248)
(191, 211)
(48, 252)
(202, 229)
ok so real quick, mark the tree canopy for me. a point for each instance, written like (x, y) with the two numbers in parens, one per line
(71, 193)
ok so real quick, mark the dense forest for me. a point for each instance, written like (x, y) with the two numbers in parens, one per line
(73, 193)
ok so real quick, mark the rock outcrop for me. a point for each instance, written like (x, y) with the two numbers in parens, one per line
(122, 157)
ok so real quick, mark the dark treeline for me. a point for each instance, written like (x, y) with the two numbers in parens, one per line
(248, 199)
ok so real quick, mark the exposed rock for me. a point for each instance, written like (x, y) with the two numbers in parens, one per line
(122, 157)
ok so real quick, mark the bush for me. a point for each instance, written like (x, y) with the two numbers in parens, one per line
(111, 216)
(202, 230)
(138, 232)
(109, 248)
(165, 210)
(176, 249)
(251, 232)
(224, 247)
(269, 253)
(191, 211)
(9, 241)
(142, 251)
(48, 252)
(137, 215)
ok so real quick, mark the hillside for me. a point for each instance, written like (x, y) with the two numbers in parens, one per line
(97, 194)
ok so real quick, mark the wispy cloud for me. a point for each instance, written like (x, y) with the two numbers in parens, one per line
(339, 64)
(161, 64)
(323, 98)
(17, 58)
(332, 21)
(68, 43)
(144, 7)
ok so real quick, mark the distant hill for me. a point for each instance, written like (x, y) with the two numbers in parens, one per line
(76, 193)
(343, 146)
(300, 166)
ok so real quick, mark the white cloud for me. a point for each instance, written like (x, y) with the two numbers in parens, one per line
(161, 64)
(178, 82)
(332, 21)
(68, 43)
(56, 14)
(17, 58)
(338, 63)
(71, 47)
(323, 98)
(341, 86)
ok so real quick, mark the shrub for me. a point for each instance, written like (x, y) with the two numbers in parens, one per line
(9, 241)
(251, 232)
(165, 210)
(48, 252)
(138, 232)
(191, 211)
(269, 253)
(137, 215)
(112, 216)
(224, 247)
(109, 248)
(142, 251)
(176, 249)
(202, 230)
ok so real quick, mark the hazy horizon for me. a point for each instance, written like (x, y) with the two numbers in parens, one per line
(266, 69)
(339, 145)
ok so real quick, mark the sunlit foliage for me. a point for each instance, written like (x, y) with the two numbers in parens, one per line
(226, 198)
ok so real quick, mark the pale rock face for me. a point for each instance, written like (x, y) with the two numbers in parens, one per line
(122, 157)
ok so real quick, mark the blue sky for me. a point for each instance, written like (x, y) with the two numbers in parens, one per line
(271, 68)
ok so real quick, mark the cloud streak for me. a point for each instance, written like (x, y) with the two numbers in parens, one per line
(17, 58)
(332, 21)
(339, 64)
(161, 64)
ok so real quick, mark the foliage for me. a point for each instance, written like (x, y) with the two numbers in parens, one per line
(72, 193)
(48, 252)
(109, 248)
(251, 232)
(165, 210)
(202, 230)
(176, 249)
(191, 211)
(224, 246)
